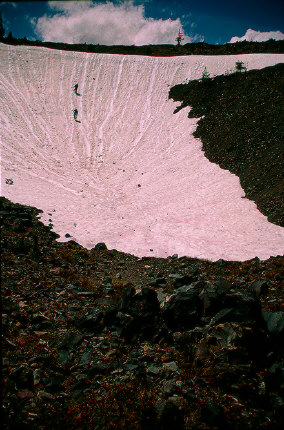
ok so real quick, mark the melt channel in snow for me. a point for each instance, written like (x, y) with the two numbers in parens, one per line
(128, 172)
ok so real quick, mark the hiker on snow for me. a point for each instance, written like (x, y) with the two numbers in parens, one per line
(75, 112)
(76, 88)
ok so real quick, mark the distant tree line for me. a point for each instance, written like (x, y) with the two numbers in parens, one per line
(165, 50)
(201, 48)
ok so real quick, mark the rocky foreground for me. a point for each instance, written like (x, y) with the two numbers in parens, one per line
(104, 340)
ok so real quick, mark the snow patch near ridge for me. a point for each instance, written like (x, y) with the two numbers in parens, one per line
(129, 173)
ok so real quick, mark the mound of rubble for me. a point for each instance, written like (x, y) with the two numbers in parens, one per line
(105, 340)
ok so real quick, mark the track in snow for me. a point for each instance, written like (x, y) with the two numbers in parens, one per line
(130, 173)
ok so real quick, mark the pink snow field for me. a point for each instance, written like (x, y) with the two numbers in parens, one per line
(127, 171)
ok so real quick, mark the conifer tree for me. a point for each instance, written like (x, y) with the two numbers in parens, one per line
(179, 38)
(2, 30)
(205, 74)
(240, 66)
(10, 36)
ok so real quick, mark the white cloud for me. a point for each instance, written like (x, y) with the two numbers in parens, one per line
(258, 36)
(106, 24)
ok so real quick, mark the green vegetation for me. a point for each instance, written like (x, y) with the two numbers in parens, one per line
(240, 67)
(205, 74)
(179, 38)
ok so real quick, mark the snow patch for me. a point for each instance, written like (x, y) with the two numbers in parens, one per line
(130, 173)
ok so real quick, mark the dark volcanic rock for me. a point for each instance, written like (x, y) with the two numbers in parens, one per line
(101, 246)
(213, 416)
(159, 282)
(180, 280)
(259, 288)
(244, 307)
(183, 309)
(53, 383)
(98, 369)
(128, 294)
(188, 340)
(274, 321)
(144, 303)
(245, 138)
(171, 416)
(23, 378)
(140, 312)
(89, 322)
(105, 338)
(69, 341)
(110, 314)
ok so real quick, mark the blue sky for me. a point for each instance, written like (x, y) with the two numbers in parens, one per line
(144, 21)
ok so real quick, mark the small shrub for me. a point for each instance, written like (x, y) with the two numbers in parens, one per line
(240, 66)
(205, 74)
